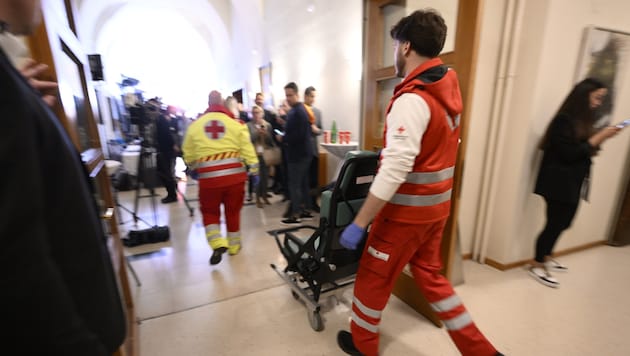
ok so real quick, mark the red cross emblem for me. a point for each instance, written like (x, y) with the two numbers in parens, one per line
(400, 130)
(214, 129)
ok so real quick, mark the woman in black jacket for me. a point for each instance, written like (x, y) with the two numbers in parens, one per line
(570, 141)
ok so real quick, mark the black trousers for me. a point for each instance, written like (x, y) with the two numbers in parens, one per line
(166, 172)
(313, 174)
(559, 218)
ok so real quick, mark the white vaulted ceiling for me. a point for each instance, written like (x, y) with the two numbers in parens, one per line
(176, 48)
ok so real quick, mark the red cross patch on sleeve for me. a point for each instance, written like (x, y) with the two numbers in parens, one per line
(400, 133)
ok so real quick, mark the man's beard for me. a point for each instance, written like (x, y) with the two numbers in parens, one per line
(400, 66)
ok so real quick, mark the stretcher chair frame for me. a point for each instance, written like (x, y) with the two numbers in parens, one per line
(319, 265)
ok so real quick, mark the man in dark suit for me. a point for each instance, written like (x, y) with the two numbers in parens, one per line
(315, 116)
(298, 140)
(166, 137)
(59, 293)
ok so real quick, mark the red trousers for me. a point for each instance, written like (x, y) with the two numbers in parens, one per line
(390, 246)
(210, 200)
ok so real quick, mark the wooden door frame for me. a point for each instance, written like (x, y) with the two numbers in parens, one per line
(464, 60)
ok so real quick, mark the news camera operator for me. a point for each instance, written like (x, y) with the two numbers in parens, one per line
(167, 147)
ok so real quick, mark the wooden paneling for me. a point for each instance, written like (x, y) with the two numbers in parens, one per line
(505, 266)
(322, 172)
(56, 44)
(621, 234)
(465, 62)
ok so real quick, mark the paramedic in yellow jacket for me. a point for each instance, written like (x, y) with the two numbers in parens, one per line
(217, 147)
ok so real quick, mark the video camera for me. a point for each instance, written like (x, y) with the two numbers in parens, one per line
(144, 117)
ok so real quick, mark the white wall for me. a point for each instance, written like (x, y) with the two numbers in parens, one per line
(178, 50)
(547, 48)
(248, 48)
(322, 49)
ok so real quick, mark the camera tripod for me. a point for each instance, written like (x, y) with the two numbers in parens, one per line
(147, 178)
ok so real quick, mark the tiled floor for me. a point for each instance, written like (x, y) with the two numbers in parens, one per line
(241, 307)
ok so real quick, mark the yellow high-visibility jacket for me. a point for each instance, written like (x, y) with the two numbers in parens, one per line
(219, 148)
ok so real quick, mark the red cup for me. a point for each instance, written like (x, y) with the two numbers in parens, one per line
(344, 137)
(326, 136)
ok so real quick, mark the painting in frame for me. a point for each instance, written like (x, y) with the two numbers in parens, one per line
(265, 85)
(604, 56)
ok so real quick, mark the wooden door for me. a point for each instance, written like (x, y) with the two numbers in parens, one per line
(378, 86)
(621, 233)
(55, 43)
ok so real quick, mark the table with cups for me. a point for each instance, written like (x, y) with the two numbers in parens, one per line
(339, 148)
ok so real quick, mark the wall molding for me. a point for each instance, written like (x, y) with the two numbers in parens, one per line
(506, 266)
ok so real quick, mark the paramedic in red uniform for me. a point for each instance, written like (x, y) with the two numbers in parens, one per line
(409, 200)
(218, 149)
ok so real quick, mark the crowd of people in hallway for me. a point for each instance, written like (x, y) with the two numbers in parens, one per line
(226, 152)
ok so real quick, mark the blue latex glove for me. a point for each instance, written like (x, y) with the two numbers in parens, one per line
(351, 236)
(255, 180)
(193, 174)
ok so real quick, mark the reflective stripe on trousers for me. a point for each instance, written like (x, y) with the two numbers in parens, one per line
(234, 238)
(449, 306)
(213, 235)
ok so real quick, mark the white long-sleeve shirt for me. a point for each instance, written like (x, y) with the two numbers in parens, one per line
(407, 122)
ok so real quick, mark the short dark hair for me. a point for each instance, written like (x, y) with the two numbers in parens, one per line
(308, 91)
(424, 29)
(292, 86)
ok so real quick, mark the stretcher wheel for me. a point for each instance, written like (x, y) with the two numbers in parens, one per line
(295, 295)
(315, 320)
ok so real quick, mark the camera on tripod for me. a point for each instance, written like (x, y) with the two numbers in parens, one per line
(144, 117)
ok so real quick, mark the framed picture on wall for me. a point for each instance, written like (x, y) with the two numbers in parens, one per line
(265, 84)
(604, 56)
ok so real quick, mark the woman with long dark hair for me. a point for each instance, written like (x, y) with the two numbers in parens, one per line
(569, 143)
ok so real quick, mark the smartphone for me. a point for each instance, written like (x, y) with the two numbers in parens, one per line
(278, 132)
(623, 124)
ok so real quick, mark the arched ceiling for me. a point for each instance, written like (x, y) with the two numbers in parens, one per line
(210, 17)
(170, 44)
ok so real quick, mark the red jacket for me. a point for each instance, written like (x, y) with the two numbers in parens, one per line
(425, 195)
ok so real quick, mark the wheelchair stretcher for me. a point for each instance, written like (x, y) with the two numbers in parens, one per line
(317, 264)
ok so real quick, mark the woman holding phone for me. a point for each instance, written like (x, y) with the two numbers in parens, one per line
(569, 143)
(262, 138)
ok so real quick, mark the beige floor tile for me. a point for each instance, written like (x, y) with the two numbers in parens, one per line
(241, 307)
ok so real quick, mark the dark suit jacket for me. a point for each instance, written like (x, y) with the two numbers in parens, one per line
(565, 164)
(298, 136)
(165, 134)
(57, 286)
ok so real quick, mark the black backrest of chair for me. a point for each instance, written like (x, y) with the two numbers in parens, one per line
(350, 190)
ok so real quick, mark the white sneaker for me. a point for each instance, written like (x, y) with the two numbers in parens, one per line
(541, 275)
(554, 265)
